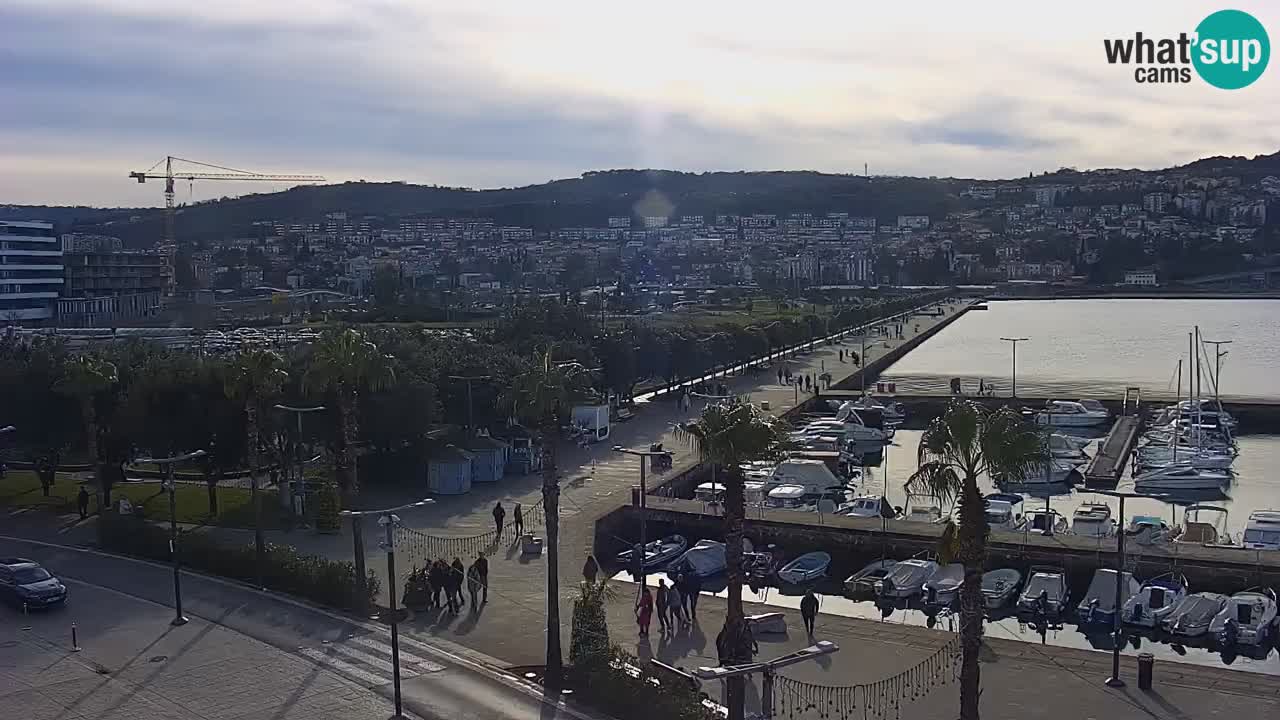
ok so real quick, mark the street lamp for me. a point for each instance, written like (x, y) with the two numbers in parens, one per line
(388, 520)
(768, 669)
(642, 454)
(1015, 342)
(301, 485)
(471, 425)
(1115, 681)
(171, 482)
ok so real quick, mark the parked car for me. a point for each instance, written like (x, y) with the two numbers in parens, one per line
(25, 582)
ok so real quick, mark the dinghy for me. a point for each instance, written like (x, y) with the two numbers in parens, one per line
(805, 569)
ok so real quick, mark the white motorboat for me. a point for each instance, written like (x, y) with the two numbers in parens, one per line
(1262, 532)
(1181, 476)
(1003, 511)
(907, 578)
(1205, 525)
(1156, 601)
(868, 506)
(1206, 410)
(755, 492)
(805, 569)
(1045, 522)
(812, 475)
(1247, 619)
(704, 559)
(1194, 614)
(999, 586)
(1093, 519)
(892, 411)
(1072, 413)
(1155, 456)
(1046, 592)
(923, 509)
(941, 588)
(867, 580)
(1149, 530)
(855, 428)
(709, 492)
(657, 552)
(1066, 448)
(1099, 602)
(788, 497)
(1054, 472)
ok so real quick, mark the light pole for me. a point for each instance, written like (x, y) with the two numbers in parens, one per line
(768, 669)
(1115, 681)
(297, 451)
(644, 515)
(471, 425)
(388, 520)
(171, 483)
(1015, 341)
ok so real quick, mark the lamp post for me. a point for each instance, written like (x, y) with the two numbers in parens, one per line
(171, 483)
(471, 425)
(298, 413)
(388, 520)
(1115, 681)
(1015, 341)
(768, 669)
(643, 455)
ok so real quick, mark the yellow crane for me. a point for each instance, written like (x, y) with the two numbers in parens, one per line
(223, 173)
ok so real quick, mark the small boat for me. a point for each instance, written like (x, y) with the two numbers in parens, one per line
(1072, 413)
(1055, 472)
(1193, 615)
(1065, 448)
(1156, 601)
(907, 578)
(868, 506)
(867, 580)
(709, 492)
(704, 559)
(941, 588)
(1262, 532)
(1003, 511)
(891, 410)
(1149, 530)
(789, 497)
(762, 564)
(1150, 457)
(1247, 618)
(1046, 592)
(923, 509)
(1045, 522)
(858, 429)
(1181, 476)
(656, 553)
(754, 492)
(999, 586)
(1093, 519)
(1205, 525)
(1099, 602)
(805, 569)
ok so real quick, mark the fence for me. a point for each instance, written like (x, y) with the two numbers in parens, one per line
(420, 548)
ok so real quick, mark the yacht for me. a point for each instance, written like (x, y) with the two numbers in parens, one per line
(1055, 472)
(892, 411)
(1093, 519)
(1160, 456)
(1181, 476)
(1072, 413)
(1157, 600)
(1262, 532)
(787, 497)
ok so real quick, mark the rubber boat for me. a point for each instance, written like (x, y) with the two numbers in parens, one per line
(907, 578)
(867, 580)
(1156, 601)
(656, 553)
(1099, 602)
(941, 588)
(999, 587)
(1046, 592)
(805, 569)
(1193, 615)
(1247, 619)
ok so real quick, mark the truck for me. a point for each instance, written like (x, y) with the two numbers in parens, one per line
(591, 422)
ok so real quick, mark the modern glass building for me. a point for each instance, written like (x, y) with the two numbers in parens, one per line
(31, 273)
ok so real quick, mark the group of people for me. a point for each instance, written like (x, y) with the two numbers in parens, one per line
(676, 604)
(807, 382)
(451, 577)
(500, 517)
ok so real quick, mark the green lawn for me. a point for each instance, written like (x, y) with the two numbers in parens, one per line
(21, 488)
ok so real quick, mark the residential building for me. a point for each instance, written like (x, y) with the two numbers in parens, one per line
(1145, 278)
(30, 273)
(914, 222)
(106, 288)
(1156, 202)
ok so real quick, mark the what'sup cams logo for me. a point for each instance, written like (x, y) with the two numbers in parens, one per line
(1229, 50)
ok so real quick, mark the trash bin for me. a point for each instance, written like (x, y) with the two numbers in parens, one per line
(1146, 661)
(635, 495)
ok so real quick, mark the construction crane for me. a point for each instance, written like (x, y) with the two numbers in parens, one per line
(224, 173)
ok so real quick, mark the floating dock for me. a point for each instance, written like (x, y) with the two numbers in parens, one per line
(1108, 465)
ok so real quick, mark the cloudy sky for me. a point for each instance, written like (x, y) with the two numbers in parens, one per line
(490, 94)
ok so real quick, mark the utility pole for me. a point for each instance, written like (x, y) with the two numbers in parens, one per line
(1014, 392)
(170, 483)
(768, 671)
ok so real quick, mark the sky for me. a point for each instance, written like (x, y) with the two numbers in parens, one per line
(500, 94)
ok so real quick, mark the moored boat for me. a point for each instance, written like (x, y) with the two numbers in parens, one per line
(657, 552)
(999, 587)
(805, 569)
(907, 578)
(1247, 618)
(1157, 600)
(1194, 614)
(1099, 602)
(941, 588)
(1046, 592)
(1093, 519)
(1072, 413)
(867, 580)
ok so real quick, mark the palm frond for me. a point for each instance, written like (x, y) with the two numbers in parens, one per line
(733, 431)
(1011, 447)
(936, 478)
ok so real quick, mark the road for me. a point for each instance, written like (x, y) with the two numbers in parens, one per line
(244, 654)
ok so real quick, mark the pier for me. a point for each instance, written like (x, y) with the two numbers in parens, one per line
(1107, 466)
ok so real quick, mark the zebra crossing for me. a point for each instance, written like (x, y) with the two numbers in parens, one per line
(366, 659)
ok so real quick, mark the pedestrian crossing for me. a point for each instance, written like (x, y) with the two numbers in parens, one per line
(366, 659)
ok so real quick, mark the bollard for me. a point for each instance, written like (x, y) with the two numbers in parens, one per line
(1146, 661)
(75, 644)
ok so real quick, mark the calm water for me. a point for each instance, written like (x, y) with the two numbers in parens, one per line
(1102, 346)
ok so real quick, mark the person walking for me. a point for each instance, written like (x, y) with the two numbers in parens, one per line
(809, 610)
(664, 622)
(499, 514)
(779, 376)
(473, 586)
(590, 569)
(675, 604)
(517, 520)
(482, 570)
(457, 575)
(644, 611)
(692, 588)
(435, 581)
(82, 501)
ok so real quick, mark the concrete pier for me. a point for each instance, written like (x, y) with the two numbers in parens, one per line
(1107, 466)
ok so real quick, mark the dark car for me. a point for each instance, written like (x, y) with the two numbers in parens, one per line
(24, 582)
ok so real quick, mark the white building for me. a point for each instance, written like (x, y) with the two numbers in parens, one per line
(1146, 278)
(915, 222)
(31, 272)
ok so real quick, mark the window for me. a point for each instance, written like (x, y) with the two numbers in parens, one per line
(24, 576)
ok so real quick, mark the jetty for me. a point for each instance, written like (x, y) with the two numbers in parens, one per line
(1108, 465)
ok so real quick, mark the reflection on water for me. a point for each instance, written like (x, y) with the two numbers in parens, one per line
(1004, 625)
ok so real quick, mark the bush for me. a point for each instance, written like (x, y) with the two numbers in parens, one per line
(327, 582)
(622, 687)
(589, 640)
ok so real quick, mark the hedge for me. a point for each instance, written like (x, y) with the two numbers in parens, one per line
(324, 581)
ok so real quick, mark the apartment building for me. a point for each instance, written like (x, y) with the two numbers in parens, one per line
(30, 273)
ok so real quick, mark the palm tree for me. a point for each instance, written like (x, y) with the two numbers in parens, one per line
(254, 379)
(344, 362)
(967, 441)
(539, 397)
(84, 378)
(728, 434)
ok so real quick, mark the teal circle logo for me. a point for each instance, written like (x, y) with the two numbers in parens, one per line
(1232, 49)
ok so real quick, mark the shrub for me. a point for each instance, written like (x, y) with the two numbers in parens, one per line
(589, 641)
(324, 581)
(621, 686)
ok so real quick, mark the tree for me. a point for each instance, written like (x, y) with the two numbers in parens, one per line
(342, 364)
(84, 378)
(728, 434)
(254, 381)
(540, 397)
(386, 286)
(965, 442)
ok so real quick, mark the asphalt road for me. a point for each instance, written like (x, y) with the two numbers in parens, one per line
(354, 658)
